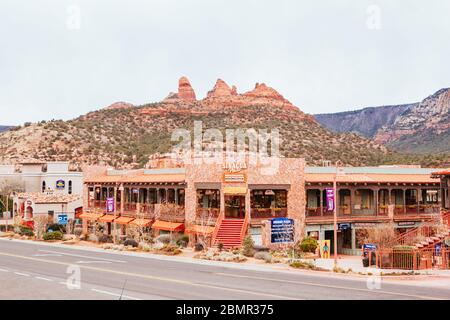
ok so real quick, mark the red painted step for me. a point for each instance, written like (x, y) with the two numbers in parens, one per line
(230, 233)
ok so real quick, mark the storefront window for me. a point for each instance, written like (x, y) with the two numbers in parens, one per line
(268, 199)
(207, 198)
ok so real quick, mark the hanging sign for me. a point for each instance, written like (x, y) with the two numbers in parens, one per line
(330, 199)
(110, 205)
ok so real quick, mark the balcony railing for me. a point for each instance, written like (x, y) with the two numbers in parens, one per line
(383, 210)
(259, 213)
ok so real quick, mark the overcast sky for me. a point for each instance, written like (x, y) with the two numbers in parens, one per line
(324, 56)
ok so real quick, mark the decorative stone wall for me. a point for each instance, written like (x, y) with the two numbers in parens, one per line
(290, 172)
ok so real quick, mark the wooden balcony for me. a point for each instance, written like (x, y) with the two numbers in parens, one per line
(268, 213)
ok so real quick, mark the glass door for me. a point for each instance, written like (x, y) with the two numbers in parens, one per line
(234, 207)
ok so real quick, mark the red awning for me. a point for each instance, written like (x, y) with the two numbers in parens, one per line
(168, 226)
(107, 218)
(123, 220)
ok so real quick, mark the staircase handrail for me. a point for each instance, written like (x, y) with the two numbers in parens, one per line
(244, 227)
(217, 227)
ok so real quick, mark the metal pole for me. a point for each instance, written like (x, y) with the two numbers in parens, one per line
(7, 209)
(335, 218)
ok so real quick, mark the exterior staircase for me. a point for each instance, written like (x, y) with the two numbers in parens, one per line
(429, 236)
(230, 233)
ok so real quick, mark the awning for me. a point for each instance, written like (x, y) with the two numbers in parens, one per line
(91, 216)
(168, 226)
(235, 190)
(141, 222)
(123, 220)
(107, 218)
(200, 229)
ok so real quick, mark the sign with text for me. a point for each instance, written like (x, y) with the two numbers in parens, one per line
(234, 178)
(344, 226)
(110, 205)
(62, 219)
(330, 199)
(60, 184)
(282, 230)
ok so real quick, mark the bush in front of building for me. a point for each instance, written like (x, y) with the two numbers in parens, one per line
(182, 241)
(105, 238)
(78, 231)
(248, 247)
(25, 231)
(309, 245)
(131, 242)
(164, 238)
(56, 227)
(263, 255)
(54, 235)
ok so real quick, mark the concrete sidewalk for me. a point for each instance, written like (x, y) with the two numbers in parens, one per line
(354, 264)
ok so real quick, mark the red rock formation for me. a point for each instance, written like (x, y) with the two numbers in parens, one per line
(119, 105)
(221, 89)
(263, 91)
(185, 91)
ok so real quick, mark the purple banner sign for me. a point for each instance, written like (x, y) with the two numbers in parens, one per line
(110, 205)
(330, 199)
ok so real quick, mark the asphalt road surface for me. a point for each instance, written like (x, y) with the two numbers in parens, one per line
(32, 271)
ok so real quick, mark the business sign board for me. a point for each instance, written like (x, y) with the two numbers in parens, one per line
(62, 219)
(60, 184)
(282, 230)
(369, 247)
(110, 205)
(330, 199)
(344, 226)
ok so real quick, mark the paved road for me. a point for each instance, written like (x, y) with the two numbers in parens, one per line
(32, 271)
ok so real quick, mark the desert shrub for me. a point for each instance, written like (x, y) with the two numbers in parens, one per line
(183, 240)
(56, 227)
(248, 249)
(302, 265)
(308, 245)
(164, 238)
(105, 238)
(199, 247)
(26, 231)
(220, 246)
(54, 235)
(170, 249)
(266, 256)
(131, 242)
(78, 231)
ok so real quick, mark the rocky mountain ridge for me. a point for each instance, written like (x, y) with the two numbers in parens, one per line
(123, 135)
(422, 127)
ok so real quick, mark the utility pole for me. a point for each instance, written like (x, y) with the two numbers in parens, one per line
(335, 227)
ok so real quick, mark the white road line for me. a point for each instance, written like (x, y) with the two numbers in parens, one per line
(45, 279)
(22, 274)
(47, 255)
(82, 256)
(88, 262)
(4, 270)
(115, 294)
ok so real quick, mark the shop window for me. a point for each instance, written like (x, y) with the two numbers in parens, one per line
(268, 199)
(207, 198)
